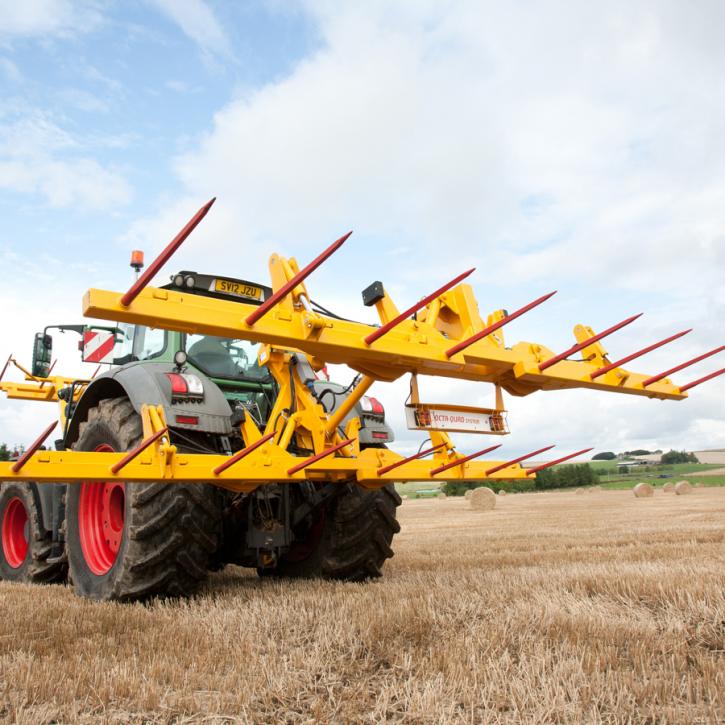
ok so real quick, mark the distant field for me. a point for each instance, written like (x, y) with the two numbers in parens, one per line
(609, 478)
(553, 607)
(425, 488)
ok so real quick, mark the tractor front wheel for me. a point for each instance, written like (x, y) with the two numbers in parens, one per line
(24, 544)
(130, 541)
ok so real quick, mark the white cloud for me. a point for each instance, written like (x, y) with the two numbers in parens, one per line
(198, 22)
(32, 299)
(581, 146)
(39, 157)
(43, 18)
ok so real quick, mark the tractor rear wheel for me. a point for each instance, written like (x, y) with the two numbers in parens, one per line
(24, 544)
(130, 541)
(349, 538)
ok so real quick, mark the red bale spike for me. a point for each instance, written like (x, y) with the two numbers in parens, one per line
(33, 447)
(388, 326)
(242, 454)
(5, 367)
(95, 372)
(164, 257)
(496, 325)
(684, 365)
(313, 459)
(589, 341)
(702, 380)
(518, 460)
(140, 448)
(397, 464)
(286, 288)
(529, 471)
(637, 354)
(460, 461)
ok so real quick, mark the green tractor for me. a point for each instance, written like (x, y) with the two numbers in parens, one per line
(131, 541)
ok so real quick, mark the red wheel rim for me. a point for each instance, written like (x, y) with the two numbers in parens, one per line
(101, 516)
(15, 532)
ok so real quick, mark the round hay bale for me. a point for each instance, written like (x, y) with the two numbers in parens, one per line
(643, 490)
(579, 491)
(442, 495)
(405, 497)
(595, 488)
(682, 488)
(468, 493)
(502, 493)
(699, 484)
(669, 487)
(482, 499)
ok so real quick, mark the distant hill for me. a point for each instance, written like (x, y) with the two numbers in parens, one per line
(716, 455)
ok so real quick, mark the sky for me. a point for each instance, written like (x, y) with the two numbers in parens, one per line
(553, 145)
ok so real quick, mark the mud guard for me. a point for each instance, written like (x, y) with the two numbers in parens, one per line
(146, 382)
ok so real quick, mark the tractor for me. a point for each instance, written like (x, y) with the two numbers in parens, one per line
(122, 540)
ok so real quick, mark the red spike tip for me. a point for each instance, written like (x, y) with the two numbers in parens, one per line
(164, 257)
(313, 459)
(634, 355)
(682, 366)
(463, 460)
(397, 464)
(5, 367)
(496, 325)
(242, 454)
(529, 471)
(589, 341)
(702, 380)
(287, 287)
(140, 448)
(501, 466)
(33, 447)
(388, 326)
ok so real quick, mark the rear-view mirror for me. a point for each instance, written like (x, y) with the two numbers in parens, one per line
(42, 352)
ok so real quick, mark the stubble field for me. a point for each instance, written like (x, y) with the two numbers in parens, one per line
(554, 607)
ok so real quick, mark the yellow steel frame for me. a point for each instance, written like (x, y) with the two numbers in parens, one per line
(415, 346)
(269, 463)
(41, 389)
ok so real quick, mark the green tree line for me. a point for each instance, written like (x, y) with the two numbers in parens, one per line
(580, 474)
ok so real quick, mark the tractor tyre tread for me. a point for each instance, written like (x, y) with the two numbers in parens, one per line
(357, 536)
(171, 529)
(36, 569)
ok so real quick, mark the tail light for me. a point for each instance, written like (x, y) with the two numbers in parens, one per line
(372, 406)
(185, 385)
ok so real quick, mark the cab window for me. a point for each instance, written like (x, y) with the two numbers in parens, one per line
(148, 343)
(135, 342)
(221, 357)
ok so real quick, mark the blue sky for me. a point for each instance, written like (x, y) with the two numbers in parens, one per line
(553, 146)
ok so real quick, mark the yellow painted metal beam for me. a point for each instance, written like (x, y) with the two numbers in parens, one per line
(414, 346)
(44, 389)
(268, 463)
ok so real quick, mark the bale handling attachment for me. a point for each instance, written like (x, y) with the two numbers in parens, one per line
(442, 335)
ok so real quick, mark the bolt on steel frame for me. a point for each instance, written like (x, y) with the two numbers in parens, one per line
(442, 335)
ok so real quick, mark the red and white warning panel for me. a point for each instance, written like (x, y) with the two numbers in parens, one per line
(98, 346)
(456, 418)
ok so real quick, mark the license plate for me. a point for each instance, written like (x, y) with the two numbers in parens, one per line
(238, 289)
